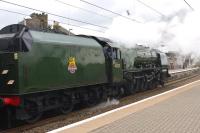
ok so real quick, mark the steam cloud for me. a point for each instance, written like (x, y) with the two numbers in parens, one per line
(109, 102)
(178, 32)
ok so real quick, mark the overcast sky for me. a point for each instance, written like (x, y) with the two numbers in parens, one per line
(136, 10)
(176, 22)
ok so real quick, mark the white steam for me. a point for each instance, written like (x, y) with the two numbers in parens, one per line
(109, 102)
(179, 32)
(187, 34)
(131, 33)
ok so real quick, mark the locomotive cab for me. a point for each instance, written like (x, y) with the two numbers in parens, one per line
(113, 59)
(114, 64)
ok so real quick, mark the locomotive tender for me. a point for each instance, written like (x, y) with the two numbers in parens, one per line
(41, 71)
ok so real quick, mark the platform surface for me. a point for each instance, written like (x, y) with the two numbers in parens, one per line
(175, 111)
(179, 114)
(181, 70)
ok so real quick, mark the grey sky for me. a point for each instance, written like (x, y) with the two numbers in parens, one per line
(136, 9)
(155, 28)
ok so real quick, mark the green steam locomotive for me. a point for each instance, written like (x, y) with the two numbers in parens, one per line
(42, 71)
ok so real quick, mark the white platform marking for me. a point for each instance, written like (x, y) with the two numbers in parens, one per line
(123, 107)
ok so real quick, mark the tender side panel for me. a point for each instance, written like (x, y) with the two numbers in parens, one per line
(59, 65)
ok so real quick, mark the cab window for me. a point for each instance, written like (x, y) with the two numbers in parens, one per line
(116, 54)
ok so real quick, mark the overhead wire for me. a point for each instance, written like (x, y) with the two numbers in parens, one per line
(13, 12)
(189, 5)
(76, 26)
(83, 9)
(161, 14)
(102, 8)
(19, 13)
(53, 14)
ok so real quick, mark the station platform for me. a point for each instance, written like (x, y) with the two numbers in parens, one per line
(174, 111)
(173, 71)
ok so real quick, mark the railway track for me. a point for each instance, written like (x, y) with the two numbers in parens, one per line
(49, 123)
